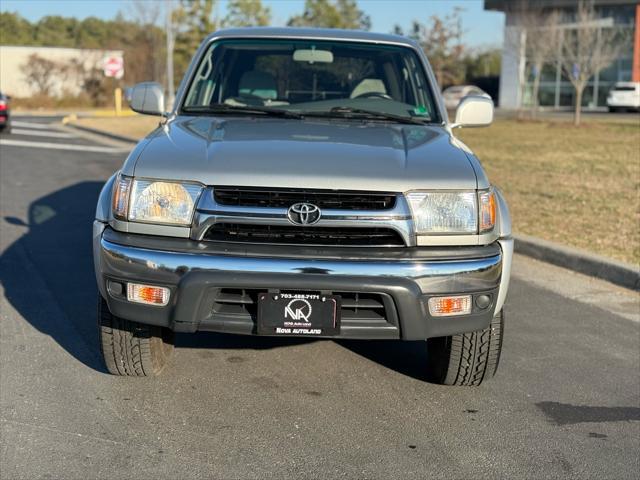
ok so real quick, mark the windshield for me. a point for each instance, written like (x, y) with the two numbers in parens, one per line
(312, 77)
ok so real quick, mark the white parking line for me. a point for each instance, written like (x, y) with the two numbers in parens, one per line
(39, 126)
(61, 146)
(41, 133)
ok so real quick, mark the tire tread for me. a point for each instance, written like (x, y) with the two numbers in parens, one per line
(131, 348)
(467, 359)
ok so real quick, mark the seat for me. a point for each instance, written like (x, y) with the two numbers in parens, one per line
(368, 85)
(258, 84)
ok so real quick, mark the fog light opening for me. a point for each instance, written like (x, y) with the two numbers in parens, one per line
(147, 294)
(448, 306)
(116, 289)
(483, 302)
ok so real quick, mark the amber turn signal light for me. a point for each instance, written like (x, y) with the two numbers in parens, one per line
(447, 306)
(487, 202)
(147, 294)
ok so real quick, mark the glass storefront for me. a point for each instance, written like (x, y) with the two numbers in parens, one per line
(557, 91)
(547, 94)
(561, 93)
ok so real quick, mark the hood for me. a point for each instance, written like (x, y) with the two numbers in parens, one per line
(310, 153)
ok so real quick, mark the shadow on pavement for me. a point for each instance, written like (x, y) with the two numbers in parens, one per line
(49, 270)
(240, 342)
(407, 358)
(568, 414)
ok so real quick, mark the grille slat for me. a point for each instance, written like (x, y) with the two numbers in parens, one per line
(284, 198)
(294, 235)
(235, 298)
(365, 303)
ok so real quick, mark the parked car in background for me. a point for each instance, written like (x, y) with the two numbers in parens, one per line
(305, 183)
(453, 95)
(5, 113)
(624, 96)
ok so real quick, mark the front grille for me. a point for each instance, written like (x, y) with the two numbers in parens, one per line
(284, 198)
(294, 235)
(357, 308)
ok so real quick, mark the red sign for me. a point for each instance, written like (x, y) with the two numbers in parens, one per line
(113, 67)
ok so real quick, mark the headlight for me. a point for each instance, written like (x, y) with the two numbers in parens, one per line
(444, 212)
(155, 201)
(451, 213)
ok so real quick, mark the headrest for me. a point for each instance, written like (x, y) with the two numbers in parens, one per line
(260, 84)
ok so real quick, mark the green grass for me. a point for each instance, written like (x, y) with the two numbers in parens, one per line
(577, 186)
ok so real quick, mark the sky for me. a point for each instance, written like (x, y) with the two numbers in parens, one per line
(482, 28)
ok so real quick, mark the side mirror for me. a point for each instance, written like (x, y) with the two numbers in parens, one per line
(474, 111)
(147, 98)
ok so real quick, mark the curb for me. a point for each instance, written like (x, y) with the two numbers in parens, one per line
(620, 273)
(95, 131)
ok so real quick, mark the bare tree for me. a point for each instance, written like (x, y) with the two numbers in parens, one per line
(441, 40)
(145, 12)
(588, 46)
(41, 73)
(145, 58)
(85, 72)
(542, 46)
(536, 38)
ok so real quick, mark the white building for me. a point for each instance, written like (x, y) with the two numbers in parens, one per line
(556, 90)
(13, 78)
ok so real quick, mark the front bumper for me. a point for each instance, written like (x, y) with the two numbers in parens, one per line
(623, 102)
(197, 272)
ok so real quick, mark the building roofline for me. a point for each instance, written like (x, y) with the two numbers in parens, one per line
(504, 5)
(70, 49)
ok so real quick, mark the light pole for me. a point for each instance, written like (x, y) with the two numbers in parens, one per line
(170, 44)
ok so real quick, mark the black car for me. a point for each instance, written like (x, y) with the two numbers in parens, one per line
(5, 113)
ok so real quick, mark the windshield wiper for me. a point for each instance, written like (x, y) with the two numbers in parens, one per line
(224, 108)
(351, 112)
(335, 112)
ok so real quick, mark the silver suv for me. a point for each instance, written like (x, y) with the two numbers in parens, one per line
(304, 183)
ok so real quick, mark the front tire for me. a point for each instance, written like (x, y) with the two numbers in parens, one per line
(131, 348)
(467, 358)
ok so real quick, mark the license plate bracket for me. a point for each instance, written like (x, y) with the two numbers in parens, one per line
(298, 314)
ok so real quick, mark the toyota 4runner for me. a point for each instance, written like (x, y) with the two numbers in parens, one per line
(304, 183)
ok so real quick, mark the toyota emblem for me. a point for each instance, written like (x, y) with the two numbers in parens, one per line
(303, 214)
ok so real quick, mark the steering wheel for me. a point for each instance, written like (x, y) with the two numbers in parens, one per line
(374, 95)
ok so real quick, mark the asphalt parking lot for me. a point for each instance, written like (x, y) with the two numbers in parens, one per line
(564, 404)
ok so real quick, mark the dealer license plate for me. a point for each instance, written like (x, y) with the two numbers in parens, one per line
(298, 314)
